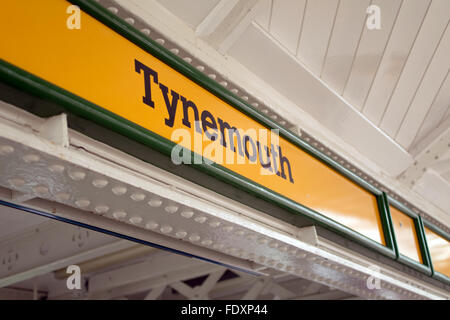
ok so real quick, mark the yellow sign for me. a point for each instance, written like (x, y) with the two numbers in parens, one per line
(405, 232)
(439, 250)
(92, 61)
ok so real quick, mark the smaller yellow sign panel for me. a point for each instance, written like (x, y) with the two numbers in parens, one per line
(405, 232)
(439, 251)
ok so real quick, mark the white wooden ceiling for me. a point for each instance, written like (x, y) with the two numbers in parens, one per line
(396, 76)
(385, 92)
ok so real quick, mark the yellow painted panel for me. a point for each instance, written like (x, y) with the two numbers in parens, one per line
(439, 251)
(101, 66)
(406, 235)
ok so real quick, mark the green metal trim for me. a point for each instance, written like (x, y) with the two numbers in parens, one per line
(426, 269)
(426, 257)
(414, 264)
(141, 40)
(389, 236)
(425, 266)
(441, 277)
(435, 274)
(390, 225)
(88, 110)
(436, 229)
(400, 206)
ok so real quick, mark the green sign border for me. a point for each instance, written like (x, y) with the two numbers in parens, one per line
(435, 274)
(424, 267)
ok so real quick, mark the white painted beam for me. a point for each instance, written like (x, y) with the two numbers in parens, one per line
(183, 289)
(435, 188)
(155, 293)
(19, 294)
(429, 139)
(203, 291)
(184, 273)
(215, 17)
(308, 235)
(232, 286)
(256, 289)
(50, 247)
(18, 196)
(238, 29)
(55, 129)
(157, 264)
(427, 158)
(442, 167)
(281, 292)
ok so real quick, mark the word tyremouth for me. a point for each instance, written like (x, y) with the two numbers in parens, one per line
(214, 128)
